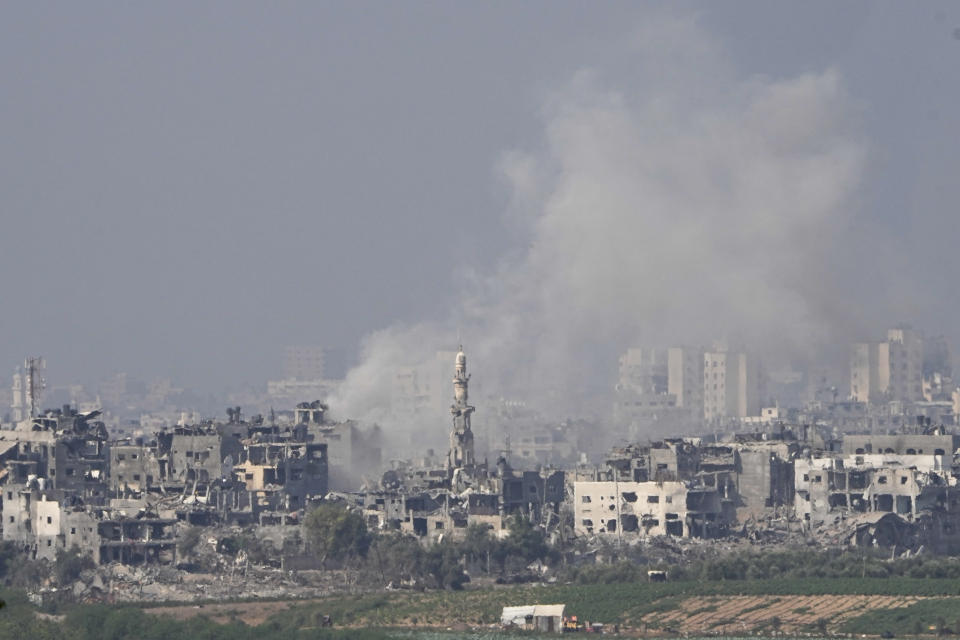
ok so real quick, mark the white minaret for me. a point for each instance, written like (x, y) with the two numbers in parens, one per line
(461, 437)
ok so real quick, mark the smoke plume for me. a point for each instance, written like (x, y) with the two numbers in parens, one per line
(673, 200)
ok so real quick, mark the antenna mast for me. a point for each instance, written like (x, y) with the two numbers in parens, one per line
(35, 384)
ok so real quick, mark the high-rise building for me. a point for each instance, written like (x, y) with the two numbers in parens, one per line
(304, 362)
(888, 370)
(732, 383)
(685, 377)
(869, 371)
(644, 370)
(906, 364)
(644, 404)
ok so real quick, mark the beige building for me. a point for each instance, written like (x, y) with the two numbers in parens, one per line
(869, 371)
(731, 385)
(888, 370)
(906, 364)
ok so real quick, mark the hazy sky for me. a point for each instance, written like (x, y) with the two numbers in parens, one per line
(185, 188)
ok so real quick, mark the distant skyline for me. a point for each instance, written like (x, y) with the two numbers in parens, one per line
(189, 188)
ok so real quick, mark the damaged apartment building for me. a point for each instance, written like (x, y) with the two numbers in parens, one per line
(64, 484)
(884, 490)
(55, 490)
(685, 487)
(235, 472)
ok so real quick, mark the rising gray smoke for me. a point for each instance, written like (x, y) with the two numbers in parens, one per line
(673, 200)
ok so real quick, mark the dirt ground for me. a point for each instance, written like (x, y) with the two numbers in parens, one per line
(730, 615)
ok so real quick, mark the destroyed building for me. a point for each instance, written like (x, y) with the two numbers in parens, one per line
(134, 467)
(651, 491)
(64, 484)
(750, 473)
(940, 444)
(649, 509)
(67, 448)
(295, 470)
(351, 451)
(850, 495)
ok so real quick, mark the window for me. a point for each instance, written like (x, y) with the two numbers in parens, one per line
(653, 499)
(585, 499)
(882, 480)
(73, 530)
(136, 477)
(49, 520)
(120, 456)
(189, 454)
(11, 519)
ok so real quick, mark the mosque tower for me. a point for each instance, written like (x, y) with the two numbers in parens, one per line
(461, 437)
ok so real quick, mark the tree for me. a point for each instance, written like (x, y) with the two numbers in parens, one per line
(69, 564)
(527, 541)
(477, 546)
(395, 558)
(331, 530)
(443, 564)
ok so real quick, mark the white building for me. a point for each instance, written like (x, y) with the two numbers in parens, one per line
(643, 509)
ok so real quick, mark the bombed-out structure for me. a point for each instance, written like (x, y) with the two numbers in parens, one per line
(65, 484)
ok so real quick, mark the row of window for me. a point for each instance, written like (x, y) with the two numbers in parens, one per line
(629, 496)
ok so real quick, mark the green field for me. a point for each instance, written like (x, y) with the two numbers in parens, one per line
(609, 603)
(426, 614)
